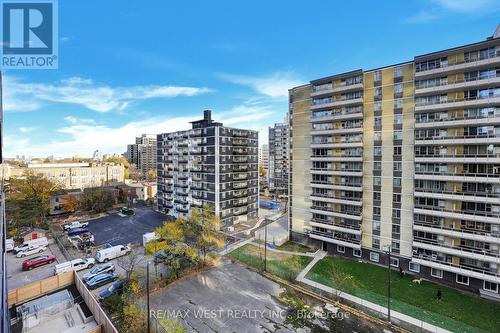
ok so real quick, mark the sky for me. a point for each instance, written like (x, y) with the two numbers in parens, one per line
(133, 67)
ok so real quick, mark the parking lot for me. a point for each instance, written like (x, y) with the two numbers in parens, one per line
(16, 277)
(115, 229)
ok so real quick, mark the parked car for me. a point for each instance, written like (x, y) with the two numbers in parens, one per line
(101, 280)
(105, 255)
(163, 255)
(99, 269)
(42, 241)
(112, 289)
(127, 211)
(74, 265)
(9, 245)
(31, 263)
(30, 250)
(74, 224)
(77, 231)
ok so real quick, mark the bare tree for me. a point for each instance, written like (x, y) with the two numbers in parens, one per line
(342, 281)
(130, 262)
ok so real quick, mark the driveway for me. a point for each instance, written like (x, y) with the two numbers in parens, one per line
(231, 298)
(115, 229)
(16, 277)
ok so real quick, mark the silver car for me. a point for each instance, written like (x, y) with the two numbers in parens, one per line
(99, 269)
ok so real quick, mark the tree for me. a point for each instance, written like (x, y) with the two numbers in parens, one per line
(172, 232)
(134, 319)
(71, 203)
(28, 198)
(262, 171)
(152, 174)
(96, 200)
(341, 280)
(172, 326)
(120, 160)
(205, 227)
(130, 262)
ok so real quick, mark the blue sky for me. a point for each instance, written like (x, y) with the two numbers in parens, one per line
(132, 67)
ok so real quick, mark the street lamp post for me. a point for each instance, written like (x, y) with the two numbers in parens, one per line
(147, 292)
(388, 250)
(265, 245)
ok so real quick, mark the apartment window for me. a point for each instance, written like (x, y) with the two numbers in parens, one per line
(377, 151)
(414, 267)
(377, 106)
(397, 166)
(377, 181)
(356, 253)
(340, 249)
(396, 182)
(397, 151)
(398, 71)
(398, 135)
(376, 224)
(376, 242)
(377, 136)
(378, 121)
(377, 165)
(396, 198)
(378, 75)
(398, 103)
(377, 196)
(396, 213)
(398, 119)
(394, 262)
(398, 88)
(374, 257)
(462, 279)
(437, 273)
(490, 286)
(396, 228)
(377, 91)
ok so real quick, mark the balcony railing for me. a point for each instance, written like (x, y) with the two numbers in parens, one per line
(326, 182)
(333, 210)
(444, 137)
(444, 262)
(462, 229)
(342, 225)
(479, 193)
(472, 213)
(454, 100)
(488, 252)
(337, 237)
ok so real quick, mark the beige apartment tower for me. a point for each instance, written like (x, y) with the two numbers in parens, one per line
(404, 158)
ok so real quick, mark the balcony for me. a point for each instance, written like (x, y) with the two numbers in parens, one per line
(324, 198)
(489, 178)
(337, 103)
(240, 211)
(449, 140)
(491, 198)
(458, 122)
(459, 66)
(472, 253)
(488, 217)
(458, 104)
(480, 274)
(458, 85)
(351, 144)
(458, 158)
(240, 159)
(332, 238)
(459, 233)
(238, 133)
(337, 186)
(336, 130)
(240, 142)
(240, 185)
(331, 172)
(240, 151)
(355, 230)
(352, 215)
(240, 193)
(328, 116)
(331, 89)
(240, 202)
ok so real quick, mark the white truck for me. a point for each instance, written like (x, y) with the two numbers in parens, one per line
(74, 224)
(42, 241)
(9, 245)
(112, 252)
(76, 265)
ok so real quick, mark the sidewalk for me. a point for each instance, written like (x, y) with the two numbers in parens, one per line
(372, 306)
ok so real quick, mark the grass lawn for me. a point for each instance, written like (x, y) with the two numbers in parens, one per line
(284, 266)
(419, 301)
(295, 247)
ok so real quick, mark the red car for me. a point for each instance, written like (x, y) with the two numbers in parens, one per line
(38, 261)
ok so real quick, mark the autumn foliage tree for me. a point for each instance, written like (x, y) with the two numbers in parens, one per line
(28, 199)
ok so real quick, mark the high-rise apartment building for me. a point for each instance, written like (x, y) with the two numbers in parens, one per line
(278, 158)
(143, 153)
(404, 158)
(263, 167)
(209, 165)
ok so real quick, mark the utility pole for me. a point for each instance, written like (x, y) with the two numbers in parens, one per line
(265, 245)
(389, 286)
(147, 291)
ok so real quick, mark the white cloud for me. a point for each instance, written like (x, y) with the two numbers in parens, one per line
(82, 138)
(21, 96)
(436, 9)
(26, 129)
(275, 85)
(75, 120)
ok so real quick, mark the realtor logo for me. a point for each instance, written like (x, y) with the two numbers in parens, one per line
(29, 34)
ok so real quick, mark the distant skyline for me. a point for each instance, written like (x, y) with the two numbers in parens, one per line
(128, 68)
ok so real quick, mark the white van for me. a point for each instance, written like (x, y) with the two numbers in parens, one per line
(113, 252)
(42, 241)
(9, 245)
(76, 265)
